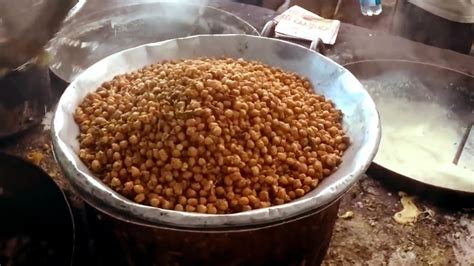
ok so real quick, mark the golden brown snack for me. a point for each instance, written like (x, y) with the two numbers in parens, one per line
(210, 135)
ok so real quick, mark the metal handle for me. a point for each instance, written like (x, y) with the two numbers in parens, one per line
(269, 29)
(316, 45)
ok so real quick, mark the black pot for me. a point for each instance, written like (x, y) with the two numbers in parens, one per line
(36, 225)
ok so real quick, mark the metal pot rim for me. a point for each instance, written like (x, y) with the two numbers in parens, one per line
(361, 121)
(79, 26)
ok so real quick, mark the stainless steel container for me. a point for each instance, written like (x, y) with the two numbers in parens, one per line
(297, 232)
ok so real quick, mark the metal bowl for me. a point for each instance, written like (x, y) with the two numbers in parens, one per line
(361, 122)
(89, 37)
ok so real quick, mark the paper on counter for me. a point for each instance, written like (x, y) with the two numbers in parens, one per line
(299, 23)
